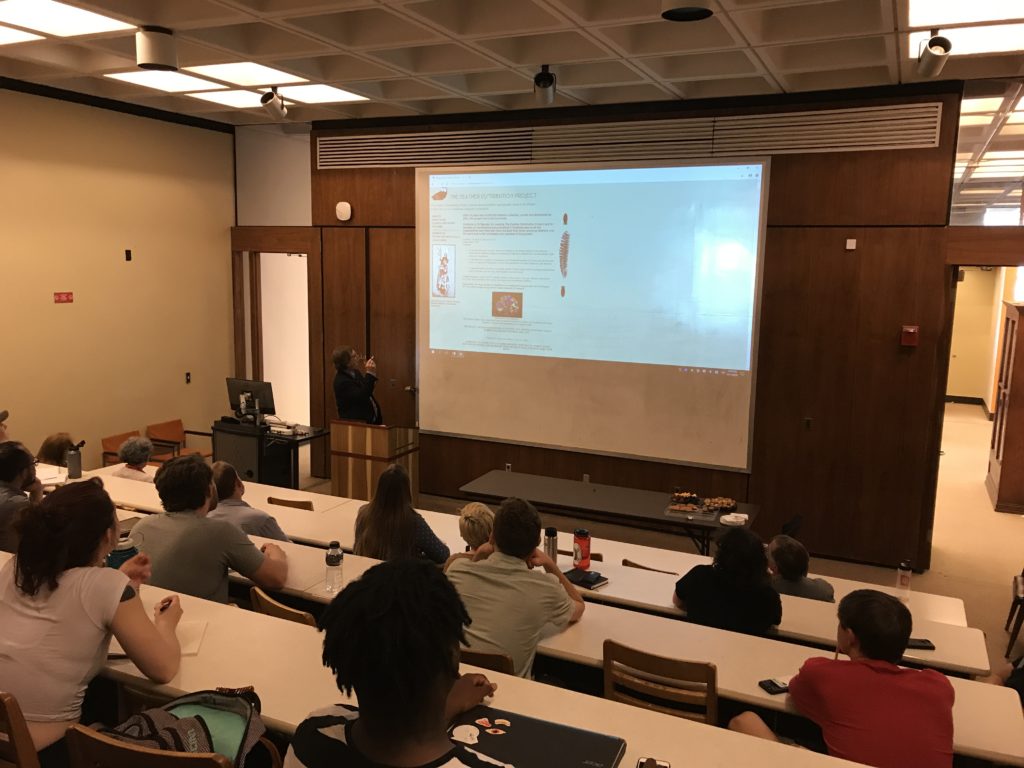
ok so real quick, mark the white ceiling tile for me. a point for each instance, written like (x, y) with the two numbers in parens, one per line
(549, 48)
(528, 101)
(479, 18)
(190, 54)
(667, 37)
(256, 40)
(397, 90)
(69, 55)
(336, 68)
(833, 54)
(368, 28)
(595, 73)
(606, 11)
(840, 78)
(176, 14)
(446, 106)
(701, 66)
(621, 94)
(435, 59)
(814, 21)
(300, 7)
(499, 81)
(740, 86)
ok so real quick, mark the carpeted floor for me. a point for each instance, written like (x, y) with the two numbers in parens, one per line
(974, 553)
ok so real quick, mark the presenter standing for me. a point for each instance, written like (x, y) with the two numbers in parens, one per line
(353, 386)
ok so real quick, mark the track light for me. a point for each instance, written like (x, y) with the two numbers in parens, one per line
(155, 48)
(274, 104)
(932, 57)
(544, 86)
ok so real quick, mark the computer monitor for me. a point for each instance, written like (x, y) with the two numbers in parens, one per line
(253, 391)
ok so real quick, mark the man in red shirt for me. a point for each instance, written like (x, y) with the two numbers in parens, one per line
(869, 709)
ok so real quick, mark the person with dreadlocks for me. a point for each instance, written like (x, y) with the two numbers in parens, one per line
(393, 638)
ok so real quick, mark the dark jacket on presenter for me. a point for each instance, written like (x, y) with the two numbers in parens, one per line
(353, 392)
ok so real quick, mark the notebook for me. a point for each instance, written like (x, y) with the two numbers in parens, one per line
(190, 638)
(585, 579)
(517, 741)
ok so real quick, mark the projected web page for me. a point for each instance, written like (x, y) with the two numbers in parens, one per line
(600, 309)
(639, 265)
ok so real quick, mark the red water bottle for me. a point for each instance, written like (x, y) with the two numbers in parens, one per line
(581, 549)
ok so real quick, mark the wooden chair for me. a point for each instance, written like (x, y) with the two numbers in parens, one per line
(496, 662)
(1016, 611)
(111, 445)
(90, 749)
(293, 503)
(631, 564)
(172, 434)
(16, 747)
(595, 557)
(687, 689)
(265, 604)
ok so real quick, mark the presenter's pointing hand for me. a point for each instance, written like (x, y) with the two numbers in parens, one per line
(371, 366)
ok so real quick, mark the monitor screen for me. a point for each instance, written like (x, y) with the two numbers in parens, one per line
(255, 392)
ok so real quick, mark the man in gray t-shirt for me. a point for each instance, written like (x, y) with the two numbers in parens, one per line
(788, 562)
(191, 553)
(19, 487)
(232, 508)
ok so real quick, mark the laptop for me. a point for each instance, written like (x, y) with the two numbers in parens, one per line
(517, 741)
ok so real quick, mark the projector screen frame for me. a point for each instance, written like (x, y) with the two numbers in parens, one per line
(422, 225)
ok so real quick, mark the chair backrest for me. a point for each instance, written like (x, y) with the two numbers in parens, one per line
(632, 564)
(16, 745)
(596, 557)
(293, 503)
(265, 604)
(113, 443)
(168, 431)
(496, 662)
(90, 749)
(792, 526)
(687, 689)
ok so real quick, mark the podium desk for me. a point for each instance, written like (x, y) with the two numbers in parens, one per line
(361, 452)
(260, 454)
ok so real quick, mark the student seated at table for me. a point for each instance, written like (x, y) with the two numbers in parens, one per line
(869, 709)
(54, 449)
(393, 638)
(512, 590)
(135, 453)
(19, 487)
(4, 435)
(59, 606)
(733, 592)
(475, 523)
(230, 506)
(192, 553)
(389, 527)
(788, 562)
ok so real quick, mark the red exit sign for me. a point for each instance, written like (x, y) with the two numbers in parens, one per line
(64, 297)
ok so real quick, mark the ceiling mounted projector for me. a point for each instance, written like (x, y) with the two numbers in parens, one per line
(933, 55)
(274, 104)
(155, 48)
(674, 10)
(544, 86)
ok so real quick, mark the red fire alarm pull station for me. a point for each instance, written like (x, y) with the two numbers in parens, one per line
(64, 297)
(910, 336)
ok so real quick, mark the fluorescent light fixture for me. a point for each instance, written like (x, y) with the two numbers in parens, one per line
(1001, 38)
(978, 106)
(987, 191)
(1003, 154)
(1012, 129)
(237, 99)
(9, 36)
(1015, 193)
(172, 82)
(246, 73)
(975, 119)
(946, 13)
(318, 94)
(1006, 217)
(58, 19)
(1016, 117)
(1014, 174)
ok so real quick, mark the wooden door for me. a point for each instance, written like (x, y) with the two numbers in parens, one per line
(392, 321)
(1005, 480)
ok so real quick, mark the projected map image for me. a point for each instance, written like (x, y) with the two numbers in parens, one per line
(654, 265)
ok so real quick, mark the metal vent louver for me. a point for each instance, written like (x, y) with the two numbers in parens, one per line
(905, 126)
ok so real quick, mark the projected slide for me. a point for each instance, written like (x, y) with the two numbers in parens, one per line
(651, 265)
(599, 309)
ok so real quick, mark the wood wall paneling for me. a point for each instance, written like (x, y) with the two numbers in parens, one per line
(238, 305)
(985, 246)
(380, 197)
(344, 291)
(318, 415)
(275, 239)
(392, 276)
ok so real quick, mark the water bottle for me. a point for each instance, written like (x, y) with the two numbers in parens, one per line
(581, 549)
(333, 559)
(123, 552)
(903, 581)
(75, 461)
(551, 543)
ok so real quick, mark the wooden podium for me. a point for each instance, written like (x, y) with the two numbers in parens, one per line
(361, 452)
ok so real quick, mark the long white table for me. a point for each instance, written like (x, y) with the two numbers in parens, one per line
(333, 518)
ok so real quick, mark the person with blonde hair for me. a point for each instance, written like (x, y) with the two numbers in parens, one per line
(475, 523)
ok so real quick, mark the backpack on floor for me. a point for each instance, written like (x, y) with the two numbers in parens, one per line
(225, 721)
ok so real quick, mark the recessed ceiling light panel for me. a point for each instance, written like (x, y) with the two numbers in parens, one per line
(970, 41)
(246, 73)
(979, 106)
(318, 94)
(172, 82)
(10, 36)
(237, 99)
(947, 13)
(58, 19)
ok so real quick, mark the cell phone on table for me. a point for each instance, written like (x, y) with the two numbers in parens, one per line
(652, 762)
(774, 686)
(920, 644)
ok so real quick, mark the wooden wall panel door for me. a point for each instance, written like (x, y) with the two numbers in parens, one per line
(392, 276)
(344, 306)
(380, 197)
(848, 422)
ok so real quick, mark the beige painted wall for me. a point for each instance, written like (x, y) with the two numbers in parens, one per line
(79, 185)
(974, 332)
